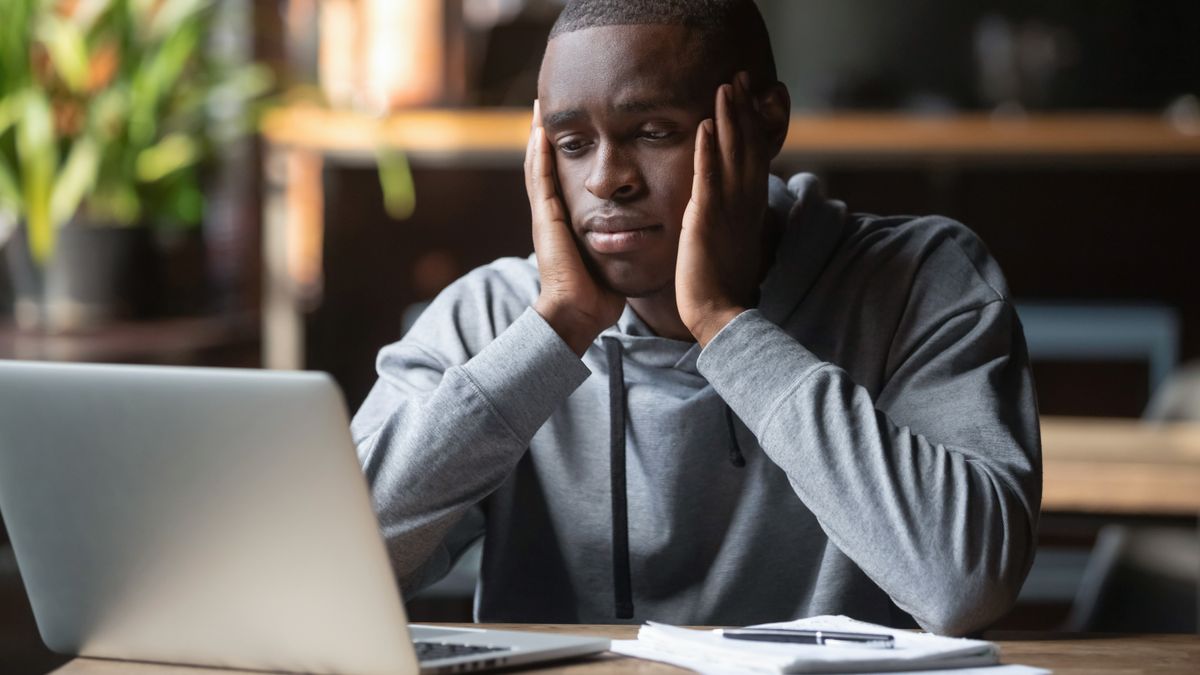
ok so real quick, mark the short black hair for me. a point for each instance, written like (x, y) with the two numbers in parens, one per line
(733, 31)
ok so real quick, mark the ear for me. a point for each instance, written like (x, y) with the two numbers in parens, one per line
(775, 106)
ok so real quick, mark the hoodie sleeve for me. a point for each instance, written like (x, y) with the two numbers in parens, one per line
(934, 487)
(455, 406)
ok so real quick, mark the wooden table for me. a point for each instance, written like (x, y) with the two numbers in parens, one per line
(1120, 467)
(169, 341)
(1066, 655)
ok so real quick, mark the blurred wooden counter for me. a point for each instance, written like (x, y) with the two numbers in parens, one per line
(194, 340)
(500, 134)
(1114, 466)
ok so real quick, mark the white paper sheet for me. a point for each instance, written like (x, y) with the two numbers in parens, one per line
(636, 650)
(709, 652)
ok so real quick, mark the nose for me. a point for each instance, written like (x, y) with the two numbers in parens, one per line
(614, 175)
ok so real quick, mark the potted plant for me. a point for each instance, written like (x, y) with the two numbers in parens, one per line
(110, 113)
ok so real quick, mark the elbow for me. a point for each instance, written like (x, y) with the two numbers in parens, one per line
(969, 606)
(978, 582)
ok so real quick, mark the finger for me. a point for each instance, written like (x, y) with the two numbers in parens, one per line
(545, 196)
(750, 124)
(533, 124)
(704, 177)
(729, 144)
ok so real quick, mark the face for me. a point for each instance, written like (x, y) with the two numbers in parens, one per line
(620, 105)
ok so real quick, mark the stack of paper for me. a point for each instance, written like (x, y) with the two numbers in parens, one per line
(707, 652)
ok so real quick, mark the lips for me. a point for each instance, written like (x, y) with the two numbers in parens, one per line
(619, 234)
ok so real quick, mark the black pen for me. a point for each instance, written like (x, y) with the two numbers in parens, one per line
(830, 638)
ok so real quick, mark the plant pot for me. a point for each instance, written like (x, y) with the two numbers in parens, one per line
(97, 274)
(25, 278)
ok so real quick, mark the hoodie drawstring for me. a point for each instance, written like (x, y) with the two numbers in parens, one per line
(622, 578)
(735, 448)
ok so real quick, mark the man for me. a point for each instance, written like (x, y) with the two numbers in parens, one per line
(708, 397)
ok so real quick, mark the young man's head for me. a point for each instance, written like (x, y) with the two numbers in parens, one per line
(623, 87)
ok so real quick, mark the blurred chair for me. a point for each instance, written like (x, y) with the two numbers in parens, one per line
(1094, 331)
(1098, 332)
(1146, 578)
(1178, 399)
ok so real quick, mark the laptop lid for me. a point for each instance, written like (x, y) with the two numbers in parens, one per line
(197, 516)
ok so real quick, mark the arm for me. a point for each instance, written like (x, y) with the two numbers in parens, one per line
(442, 429)
(933, 489)
(459, 399)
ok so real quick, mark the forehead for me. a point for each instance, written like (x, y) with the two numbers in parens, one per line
(610, 65)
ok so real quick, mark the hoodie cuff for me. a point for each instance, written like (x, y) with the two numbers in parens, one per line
(754, 365)
(526, 373)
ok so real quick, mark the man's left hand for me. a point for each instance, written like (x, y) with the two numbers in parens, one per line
(721, 244)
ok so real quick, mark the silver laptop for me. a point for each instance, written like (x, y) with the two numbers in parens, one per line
(212, 517)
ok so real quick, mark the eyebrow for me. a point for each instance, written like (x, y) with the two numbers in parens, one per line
(564, 117)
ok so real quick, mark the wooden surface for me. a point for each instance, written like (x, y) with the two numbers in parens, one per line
(1065, 655)
(165, 341)
(482, 133)
(1117, 466)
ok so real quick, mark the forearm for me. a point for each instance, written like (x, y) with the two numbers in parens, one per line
(943, 528)
(431, 453)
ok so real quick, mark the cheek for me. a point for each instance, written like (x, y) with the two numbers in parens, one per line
(672, 180)
(571, 178)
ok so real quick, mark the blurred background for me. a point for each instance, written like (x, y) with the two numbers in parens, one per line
(284, 183)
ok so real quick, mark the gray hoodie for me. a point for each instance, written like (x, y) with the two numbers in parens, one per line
(868, 435)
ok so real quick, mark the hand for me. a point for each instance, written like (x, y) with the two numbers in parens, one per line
(571, 301)
(721, 246)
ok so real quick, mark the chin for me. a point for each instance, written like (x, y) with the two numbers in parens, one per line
(637, 283)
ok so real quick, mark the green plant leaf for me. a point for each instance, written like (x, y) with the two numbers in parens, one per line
(67, 46)
(76, 178)
(169, 155)
(89, 12)
(172, 14)
(157, 77)
(11, 107)
(108, 112)
(395, 177)
(117, 202)
(183, 206)
(37, 151)
(14, 45)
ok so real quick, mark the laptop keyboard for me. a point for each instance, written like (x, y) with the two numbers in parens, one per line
(431, 651)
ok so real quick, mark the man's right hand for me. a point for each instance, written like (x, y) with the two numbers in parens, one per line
(571, 301)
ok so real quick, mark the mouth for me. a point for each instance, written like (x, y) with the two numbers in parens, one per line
(620, 234)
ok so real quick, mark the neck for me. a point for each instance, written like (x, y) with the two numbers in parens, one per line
(661, 314)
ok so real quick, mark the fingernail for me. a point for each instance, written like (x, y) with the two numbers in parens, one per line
(744, 79)
(727, 92)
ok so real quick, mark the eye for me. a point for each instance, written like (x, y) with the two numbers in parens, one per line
(571, 146)
(658, 135)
